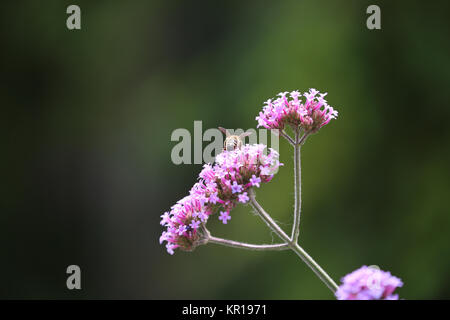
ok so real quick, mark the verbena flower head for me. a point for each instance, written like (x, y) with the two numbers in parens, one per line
(221, 187)
(310, 113)
(368, 283)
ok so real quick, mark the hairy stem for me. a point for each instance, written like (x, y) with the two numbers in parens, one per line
(303, 138)
(287, 137)
(293, 245)
(297, 188)
(248, 246)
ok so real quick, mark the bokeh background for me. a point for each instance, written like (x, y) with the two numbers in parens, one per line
(87, 117)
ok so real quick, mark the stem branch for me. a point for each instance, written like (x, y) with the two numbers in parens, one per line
(293, 245)
(303, 138)
(287, 137)
(248, 246)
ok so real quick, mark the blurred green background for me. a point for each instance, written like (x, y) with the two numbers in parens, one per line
(87, 119)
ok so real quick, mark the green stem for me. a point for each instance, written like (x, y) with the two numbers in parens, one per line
(248, 246)
(297, 188)
(293, 245)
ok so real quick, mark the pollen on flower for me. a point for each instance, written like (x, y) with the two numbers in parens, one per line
(221, 187)
(309, 115)
(368, 283)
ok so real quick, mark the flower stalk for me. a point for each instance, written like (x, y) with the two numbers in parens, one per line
(288, 138)
(236, 173)
(294, 246)
(297, 188)
(248, 246)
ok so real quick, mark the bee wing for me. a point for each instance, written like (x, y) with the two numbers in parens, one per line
(225, 131)
(245, 134)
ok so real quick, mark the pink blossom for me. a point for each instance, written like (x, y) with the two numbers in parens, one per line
(224, 216)
(255, 181)
(368, 283)
(236, 188)
(195, 224)
(310, 115)
(221, 186)
(213, 198)
(243, 197)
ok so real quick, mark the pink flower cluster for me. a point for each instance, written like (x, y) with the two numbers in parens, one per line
(368, 283)
(310, 114)
(221, 187)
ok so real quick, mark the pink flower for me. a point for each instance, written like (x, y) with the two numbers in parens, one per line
(255, 181)
(235, 187)
(310, 115)
(224, 216)
(221, 187)
(195, 224)
(202, 216)
(213, 198)
(368, 283)
(181, 229)
(243, 197)
(165, 218)
(170, 248)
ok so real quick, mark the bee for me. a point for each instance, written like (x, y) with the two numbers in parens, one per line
(233, 142)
